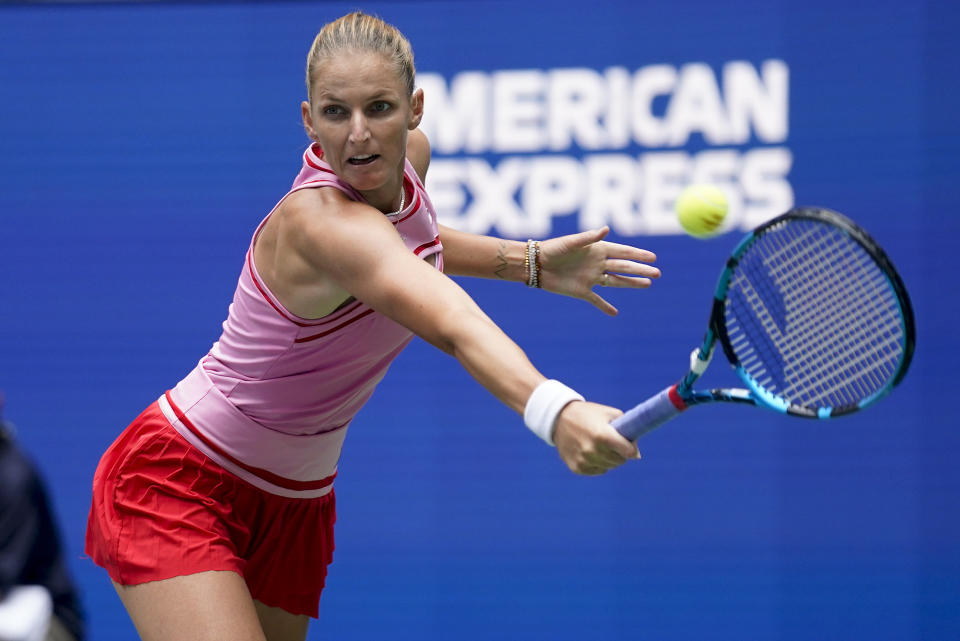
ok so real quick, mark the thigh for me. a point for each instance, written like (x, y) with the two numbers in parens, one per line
(280, 625)
(205, 606)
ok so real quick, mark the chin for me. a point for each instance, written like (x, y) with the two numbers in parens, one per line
(362, 182)
(365, 178)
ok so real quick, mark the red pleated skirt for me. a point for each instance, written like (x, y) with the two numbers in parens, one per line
(162, 509)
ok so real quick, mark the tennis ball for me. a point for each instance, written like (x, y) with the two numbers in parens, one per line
(701, 210)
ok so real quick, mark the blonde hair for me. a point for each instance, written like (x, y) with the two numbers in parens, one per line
(358, 31)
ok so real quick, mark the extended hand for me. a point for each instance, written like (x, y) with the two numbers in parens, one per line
(573, 265)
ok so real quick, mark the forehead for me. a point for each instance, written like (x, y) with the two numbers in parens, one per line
(353, 73)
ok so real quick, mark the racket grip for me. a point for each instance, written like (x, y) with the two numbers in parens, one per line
(650, 414)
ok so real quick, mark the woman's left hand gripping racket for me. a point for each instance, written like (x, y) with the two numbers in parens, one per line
(811, 315)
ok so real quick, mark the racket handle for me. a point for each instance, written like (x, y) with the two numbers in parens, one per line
(650, 414)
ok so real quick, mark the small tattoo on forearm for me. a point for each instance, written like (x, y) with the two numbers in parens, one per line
(501, 268)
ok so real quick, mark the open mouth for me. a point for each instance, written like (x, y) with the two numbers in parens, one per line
(365, 159)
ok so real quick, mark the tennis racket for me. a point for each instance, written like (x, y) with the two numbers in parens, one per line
(813, 318)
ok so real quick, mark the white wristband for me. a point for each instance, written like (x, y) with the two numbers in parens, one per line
(544, 405)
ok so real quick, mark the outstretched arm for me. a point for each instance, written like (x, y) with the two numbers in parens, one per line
(571, 265)
(318, 243)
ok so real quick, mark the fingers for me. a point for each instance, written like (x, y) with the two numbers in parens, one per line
(631, 268)
(619, 280)
(628, 252)
(612, 250)
(627, 267)
(609, 279)
(602, 458)
(620, 446)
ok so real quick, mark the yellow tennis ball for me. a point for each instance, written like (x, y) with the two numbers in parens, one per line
(701, 210)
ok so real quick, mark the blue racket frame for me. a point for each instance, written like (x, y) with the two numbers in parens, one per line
(673, 400)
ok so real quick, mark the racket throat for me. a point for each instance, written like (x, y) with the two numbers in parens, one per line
(700, 359)
(673, 394)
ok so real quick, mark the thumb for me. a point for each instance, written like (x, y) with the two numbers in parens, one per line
(626, 448)
(588, 237)
(622, 445)
(601, 303)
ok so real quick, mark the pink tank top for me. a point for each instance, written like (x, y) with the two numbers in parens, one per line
(272, 399)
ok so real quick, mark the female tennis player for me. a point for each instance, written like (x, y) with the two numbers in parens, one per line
(213, 511)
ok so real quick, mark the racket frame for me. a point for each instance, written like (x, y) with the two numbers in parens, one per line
(717, 324)
(673, 400)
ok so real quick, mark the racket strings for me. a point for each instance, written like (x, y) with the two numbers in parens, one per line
(856, 335)
(847, 346)
(842, 362)
(812, 318)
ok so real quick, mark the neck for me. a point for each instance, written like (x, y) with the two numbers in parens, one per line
(394, 203)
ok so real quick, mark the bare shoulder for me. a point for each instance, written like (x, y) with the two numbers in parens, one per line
(306, 208)
(297, 221)
(321, 218)
(298, 250)
(418, 153)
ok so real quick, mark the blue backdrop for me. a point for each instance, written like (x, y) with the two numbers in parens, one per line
(142, 143)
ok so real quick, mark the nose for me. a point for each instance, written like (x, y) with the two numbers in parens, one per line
(359, 131)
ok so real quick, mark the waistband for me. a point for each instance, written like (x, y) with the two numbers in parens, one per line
(296, 466)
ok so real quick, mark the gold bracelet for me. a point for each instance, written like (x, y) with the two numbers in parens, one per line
(526, 261)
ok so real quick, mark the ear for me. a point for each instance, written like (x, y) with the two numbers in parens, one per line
(308, 120)
(416, 109)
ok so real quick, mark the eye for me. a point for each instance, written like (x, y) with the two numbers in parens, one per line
(333, 110)
(380, 106)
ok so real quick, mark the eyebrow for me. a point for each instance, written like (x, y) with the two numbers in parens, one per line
(380, 95)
